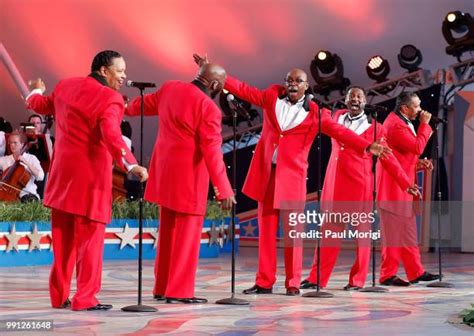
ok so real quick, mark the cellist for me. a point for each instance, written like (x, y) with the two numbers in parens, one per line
(16, 143)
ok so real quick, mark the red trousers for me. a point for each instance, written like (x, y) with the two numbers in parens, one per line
(177, 256)
(329, 251)
(77, 241)
(399, 243)
(268, 219)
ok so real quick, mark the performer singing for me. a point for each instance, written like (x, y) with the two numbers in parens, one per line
(348, 187)
(397, 215)
(277, 174)
(17, 141)
(88, 111)
(187, 152)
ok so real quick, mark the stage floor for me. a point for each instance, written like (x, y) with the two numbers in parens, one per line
(414, 310)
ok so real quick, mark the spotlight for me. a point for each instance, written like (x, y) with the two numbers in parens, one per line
(458, 31)
(378, 68)
(328, 72)
(410, 57)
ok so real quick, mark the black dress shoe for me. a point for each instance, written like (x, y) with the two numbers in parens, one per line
(350, 287)
(100, 306)
(193, 300)
(395, 281)
(425, 277)
(159, 297)
(256, 289)
(66, 304)
(292, 291)
(305, 284)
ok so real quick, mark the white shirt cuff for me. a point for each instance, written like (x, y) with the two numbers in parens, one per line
(33, 92)
(128, 166)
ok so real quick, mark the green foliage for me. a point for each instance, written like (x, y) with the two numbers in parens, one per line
(23, 212)
(35, 211)
(468, 316)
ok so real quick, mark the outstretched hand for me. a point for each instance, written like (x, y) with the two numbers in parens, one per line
(37, 84)
(140, 172)
(379, 150)
(228, 202)
(199, 60)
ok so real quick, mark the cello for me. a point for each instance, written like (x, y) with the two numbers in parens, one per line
(14, 179)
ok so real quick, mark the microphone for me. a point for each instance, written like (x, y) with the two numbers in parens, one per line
(139, 85)
(319, 103)
(434, 120)
(231, 99)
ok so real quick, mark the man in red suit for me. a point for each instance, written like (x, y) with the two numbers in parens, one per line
(396, 214)
(187, 152)
(88, 111)
(348, 187)
(277, 173)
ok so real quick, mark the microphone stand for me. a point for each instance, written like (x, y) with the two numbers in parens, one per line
(232, 300)
(318, 293)
(139, 308)
(440, 283)
(373, 288)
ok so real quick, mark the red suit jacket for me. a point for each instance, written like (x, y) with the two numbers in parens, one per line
(407, 147)
(88, 136)
(187, 149)
(293, 147)
(349, 174)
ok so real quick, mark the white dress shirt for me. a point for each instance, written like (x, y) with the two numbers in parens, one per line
(288, 116)
(359, 123)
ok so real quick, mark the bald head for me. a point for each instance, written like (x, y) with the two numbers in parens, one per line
(213, 77)
(296, 84)
(296, 72)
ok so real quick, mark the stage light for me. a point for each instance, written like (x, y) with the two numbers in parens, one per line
(378, 68)
(458, 31)
(328, 72)
(410, 57)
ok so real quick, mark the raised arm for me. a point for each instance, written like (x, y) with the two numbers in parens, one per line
(150, 102)
(36, 101)
(244, 91)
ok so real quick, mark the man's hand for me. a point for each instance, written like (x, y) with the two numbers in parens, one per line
(227, 203)
(140, 172)
(425, 117)
(379, 150)
(414, 190)
(424, 164)
(37, 84)
(200, 60)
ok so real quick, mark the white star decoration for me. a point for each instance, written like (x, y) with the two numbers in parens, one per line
(13, 239)
(127, 236)
(213, 235)
(35, 238)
